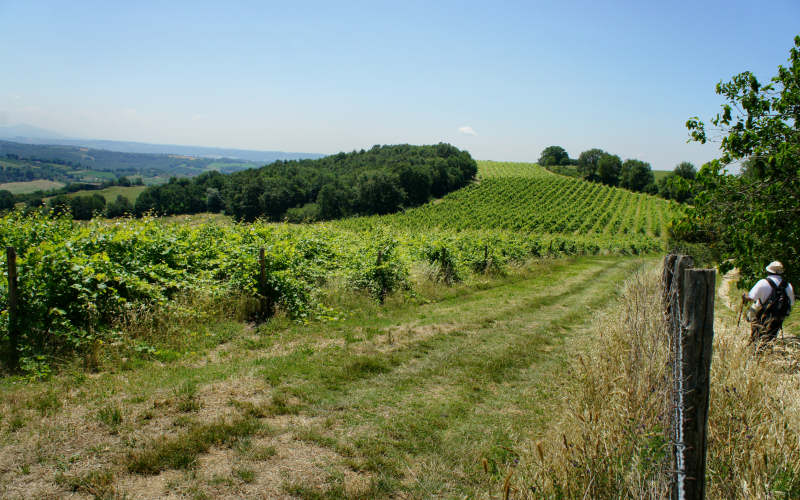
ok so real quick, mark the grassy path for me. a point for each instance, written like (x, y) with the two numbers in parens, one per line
(422, 398)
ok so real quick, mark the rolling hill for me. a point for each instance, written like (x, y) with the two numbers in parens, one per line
(521, 198)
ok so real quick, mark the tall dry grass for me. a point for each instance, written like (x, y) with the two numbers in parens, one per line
(611, 436)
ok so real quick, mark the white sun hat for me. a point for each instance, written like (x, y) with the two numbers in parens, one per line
(775, 267)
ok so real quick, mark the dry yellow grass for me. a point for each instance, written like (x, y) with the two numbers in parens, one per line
(611, 439)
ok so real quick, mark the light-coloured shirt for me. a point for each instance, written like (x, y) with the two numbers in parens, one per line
(762, 290)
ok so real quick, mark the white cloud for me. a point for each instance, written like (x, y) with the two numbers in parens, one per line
(467, 130)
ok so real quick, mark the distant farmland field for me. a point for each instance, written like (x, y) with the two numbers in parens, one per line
(111, 193)
(30, 186)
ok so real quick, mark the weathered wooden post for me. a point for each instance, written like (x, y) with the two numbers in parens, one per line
(267, 300)
(698, 335)
(689, 305)
(13, 309)
(381, 278)
(666, 279)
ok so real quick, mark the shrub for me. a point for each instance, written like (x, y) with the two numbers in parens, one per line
(379, 269)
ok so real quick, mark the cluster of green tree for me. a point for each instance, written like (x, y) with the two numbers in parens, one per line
(751, 218)
(23, 173)
(597, 165)
(14, 169)
(6, 200)
(679, 184)
(557, 160)
(122, 181)
(36, 159)
(555, 156)
(381, 180)
(86, 207)
(81, 207)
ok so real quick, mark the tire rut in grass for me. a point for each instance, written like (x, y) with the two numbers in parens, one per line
(481, 351)
(323, 375)
(437, 350)
(383, 433)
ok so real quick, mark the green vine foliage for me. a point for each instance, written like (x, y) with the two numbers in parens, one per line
(751, 218)
(441, 255)
(76, 279)
(379, 269)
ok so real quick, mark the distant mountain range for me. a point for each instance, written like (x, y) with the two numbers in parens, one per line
(29, 134)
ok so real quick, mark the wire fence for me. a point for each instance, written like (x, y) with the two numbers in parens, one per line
(688, 299)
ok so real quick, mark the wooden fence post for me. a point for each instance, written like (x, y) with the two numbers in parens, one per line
(689, 305)
(382, 292)
(666, 280)
(13, 309)
(698, 316)
(267, 299)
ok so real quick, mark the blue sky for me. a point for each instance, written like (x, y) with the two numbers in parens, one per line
(501, 79)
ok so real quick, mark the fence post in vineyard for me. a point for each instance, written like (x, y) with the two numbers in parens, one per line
(382, 292)
(689, 306)
(267, 303)
(13, 309)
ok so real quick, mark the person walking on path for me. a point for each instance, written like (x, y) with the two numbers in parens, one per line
(774, 298)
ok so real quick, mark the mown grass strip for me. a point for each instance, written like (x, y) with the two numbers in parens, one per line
(474, 371)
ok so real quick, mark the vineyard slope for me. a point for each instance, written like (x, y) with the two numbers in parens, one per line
(526, 198)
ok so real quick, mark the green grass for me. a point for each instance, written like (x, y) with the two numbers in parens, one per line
(96, 483)
(30, 186)
(492, 169)
(110, 415)
(660, 174)
(111, 193)
(181, 452)
(410, 398)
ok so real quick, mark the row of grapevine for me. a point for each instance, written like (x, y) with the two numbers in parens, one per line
(491, 169)
(543, 204)
(77, 279)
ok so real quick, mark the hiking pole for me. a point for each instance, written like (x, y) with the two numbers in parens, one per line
(741, 308)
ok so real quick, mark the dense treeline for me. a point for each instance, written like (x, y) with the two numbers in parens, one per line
(6, 199)
(18, 172)
(601, 166)
(80, 207)
(679, 185)
(750, 218)
(381, 180)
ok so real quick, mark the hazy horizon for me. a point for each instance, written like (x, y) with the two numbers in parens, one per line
(502, 83)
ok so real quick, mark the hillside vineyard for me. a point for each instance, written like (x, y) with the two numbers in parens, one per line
(78, 279)
(527, 198)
